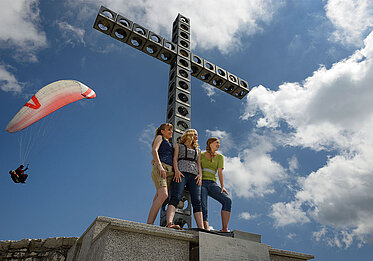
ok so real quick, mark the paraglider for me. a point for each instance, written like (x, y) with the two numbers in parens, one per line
(47, 100)
(18, 175)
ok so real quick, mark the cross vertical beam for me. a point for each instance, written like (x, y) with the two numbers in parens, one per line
(179, 90)
(179, 105)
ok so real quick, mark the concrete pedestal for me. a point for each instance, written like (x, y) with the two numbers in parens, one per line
(115, 239)
(109, 239)
(216, 247)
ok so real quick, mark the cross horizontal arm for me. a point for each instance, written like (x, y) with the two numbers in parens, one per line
(137, 36)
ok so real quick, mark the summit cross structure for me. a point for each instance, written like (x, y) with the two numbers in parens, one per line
(183, 65)
(176, 53)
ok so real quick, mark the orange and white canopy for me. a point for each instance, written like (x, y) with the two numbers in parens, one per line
(47, 100)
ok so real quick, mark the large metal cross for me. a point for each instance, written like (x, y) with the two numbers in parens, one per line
(183, 65)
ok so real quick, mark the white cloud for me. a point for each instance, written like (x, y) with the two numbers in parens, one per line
(289, 213)
(19, 28)
(246, 216)
(210, 90)
(293, 164)
(326, 108)
(214, 23)
(8, 81)
(353, 19)
(253, 172)
(331, 110)
(147, 136)
(226, 140)
(71, 33)
(341, 239)
(319, 234)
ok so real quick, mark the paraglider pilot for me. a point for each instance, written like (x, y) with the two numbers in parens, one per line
(18, 175)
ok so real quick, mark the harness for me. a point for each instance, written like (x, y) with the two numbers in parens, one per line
(186, 155)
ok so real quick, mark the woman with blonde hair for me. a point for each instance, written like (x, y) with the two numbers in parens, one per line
(162, 173)
(213, 163)
(188, 172)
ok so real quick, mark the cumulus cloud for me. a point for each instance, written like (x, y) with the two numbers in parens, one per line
(217, 24)
(247, 216)
(326, 108)
(352, 19)
(331, 111)
(8, 81)
(19, 29)
(289, 213)
(253, 172)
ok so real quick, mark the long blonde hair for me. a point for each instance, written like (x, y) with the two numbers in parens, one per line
(188, 136)
(158, 131)
(208, 148)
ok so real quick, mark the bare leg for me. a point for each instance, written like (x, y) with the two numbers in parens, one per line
(170, 214)
(158, 200)
(199, 219)
(206, 225)
(225, 215)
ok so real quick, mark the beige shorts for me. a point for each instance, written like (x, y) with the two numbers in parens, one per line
(160, 182)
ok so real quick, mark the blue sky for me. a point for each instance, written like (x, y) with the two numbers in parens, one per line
(298, 147)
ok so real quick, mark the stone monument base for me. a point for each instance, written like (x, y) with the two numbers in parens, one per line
(109, 239)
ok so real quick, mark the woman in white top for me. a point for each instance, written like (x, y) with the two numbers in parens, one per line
(188, 172)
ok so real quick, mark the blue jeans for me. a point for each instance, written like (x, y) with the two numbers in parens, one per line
(212, 189)
(177, 189)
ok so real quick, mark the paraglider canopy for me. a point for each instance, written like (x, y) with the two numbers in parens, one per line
(47, 100)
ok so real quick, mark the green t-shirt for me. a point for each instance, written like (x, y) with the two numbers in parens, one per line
(210, 169)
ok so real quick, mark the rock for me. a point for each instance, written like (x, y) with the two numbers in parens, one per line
(4, 245)
(54, 243)
(69, 241)
(24, 243)
(36, 244)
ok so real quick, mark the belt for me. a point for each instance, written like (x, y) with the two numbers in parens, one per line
(209, 170)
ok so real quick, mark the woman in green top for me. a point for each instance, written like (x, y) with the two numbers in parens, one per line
(213, 162)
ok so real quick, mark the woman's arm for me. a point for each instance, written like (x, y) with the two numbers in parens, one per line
(221, 179)
(157, 161)
(178, 174)
(199, 176)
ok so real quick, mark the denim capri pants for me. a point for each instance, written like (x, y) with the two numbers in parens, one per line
(212, 189)
(177, 189)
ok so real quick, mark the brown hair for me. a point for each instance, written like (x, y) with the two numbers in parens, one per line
(158, 131)
(208, 148)
(189, 136)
